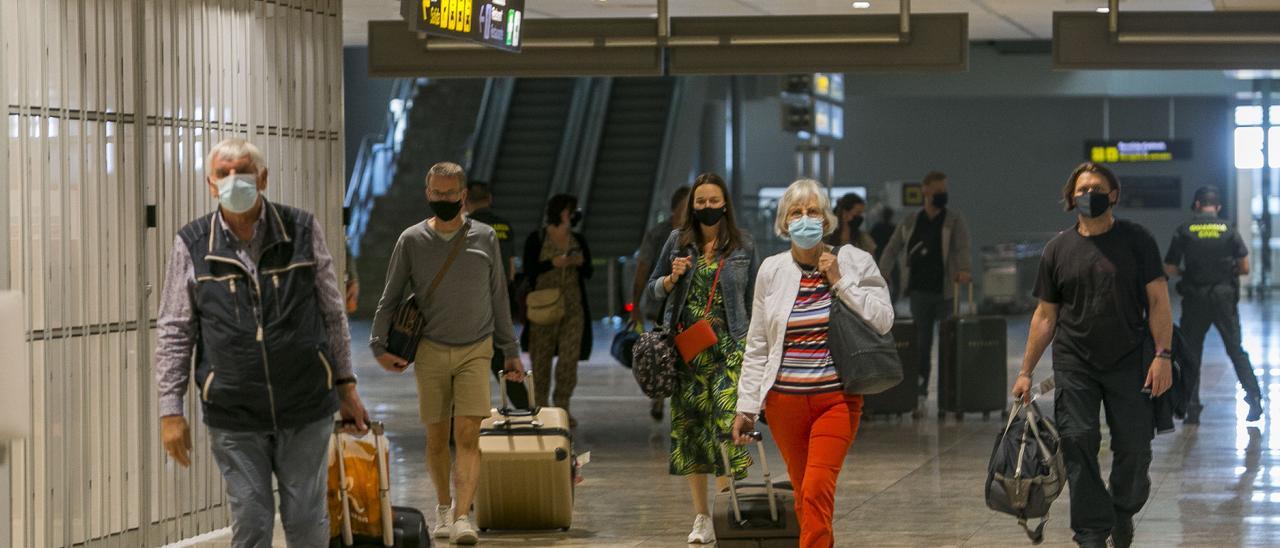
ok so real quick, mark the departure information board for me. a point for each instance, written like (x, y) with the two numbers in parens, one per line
(494, 23)
(1137, 150)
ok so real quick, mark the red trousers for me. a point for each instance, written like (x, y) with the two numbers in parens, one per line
(814, 434)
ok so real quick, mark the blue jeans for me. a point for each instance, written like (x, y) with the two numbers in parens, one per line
(298, 457)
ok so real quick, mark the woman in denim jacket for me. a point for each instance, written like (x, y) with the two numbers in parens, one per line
(706, 394)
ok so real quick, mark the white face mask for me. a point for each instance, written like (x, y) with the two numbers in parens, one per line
(238, 193)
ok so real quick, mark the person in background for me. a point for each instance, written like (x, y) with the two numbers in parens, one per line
(649, 249)
(557, 257)
(1215, 257)
(1103, 298)
(463, 319)
(931, 252)
(480, 208)
(849, 214)
(270, 377)
(882, 231)
(788, 369)
(705, 271)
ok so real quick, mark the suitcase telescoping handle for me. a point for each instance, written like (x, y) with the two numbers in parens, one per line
(506, 409)
(955, 299)
(384, 482)
(725, 440)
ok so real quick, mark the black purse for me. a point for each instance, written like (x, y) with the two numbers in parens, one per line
(866, 361)
(407, 322)
(406, 329)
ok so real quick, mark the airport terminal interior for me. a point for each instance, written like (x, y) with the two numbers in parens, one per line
(117, 112)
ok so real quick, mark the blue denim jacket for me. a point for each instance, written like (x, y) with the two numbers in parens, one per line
(737, 284)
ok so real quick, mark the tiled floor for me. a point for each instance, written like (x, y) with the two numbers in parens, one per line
(905, 482)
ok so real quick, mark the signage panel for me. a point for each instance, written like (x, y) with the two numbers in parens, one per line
(1137, 150)
(494, 23)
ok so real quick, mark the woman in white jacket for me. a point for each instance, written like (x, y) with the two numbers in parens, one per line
(787, 366)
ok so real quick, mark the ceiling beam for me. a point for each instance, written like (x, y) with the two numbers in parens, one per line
(1166, 40)
(696, 45)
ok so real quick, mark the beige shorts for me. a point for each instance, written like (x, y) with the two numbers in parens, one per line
(453, 381)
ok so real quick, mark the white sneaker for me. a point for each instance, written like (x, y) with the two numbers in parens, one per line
(703, 530)
(444, 522)
(464, 532)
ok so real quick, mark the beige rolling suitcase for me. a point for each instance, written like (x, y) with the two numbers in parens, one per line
(526, 468)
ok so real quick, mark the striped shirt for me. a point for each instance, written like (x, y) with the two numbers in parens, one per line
(807, 367)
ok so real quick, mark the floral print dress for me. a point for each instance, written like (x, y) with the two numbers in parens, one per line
(706, 395)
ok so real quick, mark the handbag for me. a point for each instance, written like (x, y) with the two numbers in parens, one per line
(545, 306)
(407, 321)
(1026, 472)
(700, 336)
(624, 343)
(866, 361)
(654, 363)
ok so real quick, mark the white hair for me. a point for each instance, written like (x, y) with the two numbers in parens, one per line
(234, 148)
(802, 191)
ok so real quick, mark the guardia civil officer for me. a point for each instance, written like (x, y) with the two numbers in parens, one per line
(1213, 257)
(1103, 297)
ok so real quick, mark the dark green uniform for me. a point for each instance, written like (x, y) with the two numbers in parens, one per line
(518, 395)
(1211, 250)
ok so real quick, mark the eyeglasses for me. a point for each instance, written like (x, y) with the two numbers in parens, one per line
(796, 214)
(450, 195)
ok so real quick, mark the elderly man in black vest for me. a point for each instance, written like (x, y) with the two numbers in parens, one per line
(252, 292)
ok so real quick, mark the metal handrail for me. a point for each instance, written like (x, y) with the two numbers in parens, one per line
(375, 162)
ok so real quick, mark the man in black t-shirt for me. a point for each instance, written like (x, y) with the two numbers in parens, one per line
(480, 208)
(1103, 296)
(1215, 257)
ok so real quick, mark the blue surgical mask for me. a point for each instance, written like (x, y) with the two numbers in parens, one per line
(238, 193)
(805, 232)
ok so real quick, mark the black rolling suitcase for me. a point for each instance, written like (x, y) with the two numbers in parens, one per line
(972, 363)
(407, 527)
(901, 398)
(755, 515)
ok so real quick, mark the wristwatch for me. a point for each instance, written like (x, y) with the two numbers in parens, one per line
(1164, 353)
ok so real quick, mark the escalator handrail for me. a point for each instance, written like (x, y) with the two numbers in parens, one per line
(363, 188)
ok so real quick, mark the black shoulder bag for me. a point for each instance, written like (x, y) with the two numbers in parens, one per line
(406, 324)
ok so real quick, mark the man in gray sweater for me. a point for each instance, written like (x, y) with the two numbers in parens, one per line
(464, 318)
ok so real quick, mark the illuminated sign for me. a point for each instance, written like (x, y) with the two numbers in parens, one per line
(494, 23)
(829, 85)
(1137, 150)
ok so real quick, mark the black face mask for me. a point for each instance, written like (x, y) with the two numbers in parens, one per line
(940, 200)
(1093, 204)
(709, 216)
(856, 223)
(575, 217)
(445, 211)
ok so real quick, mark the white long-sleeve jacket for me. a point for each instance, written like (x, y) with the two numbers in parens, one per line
(777, 283)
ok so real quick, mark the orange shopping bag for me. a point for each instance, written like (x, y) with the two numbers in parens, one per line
(359, 462)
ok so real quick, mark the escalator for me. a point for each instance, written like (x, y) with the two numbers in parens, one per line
(626, 166)
(528, 151)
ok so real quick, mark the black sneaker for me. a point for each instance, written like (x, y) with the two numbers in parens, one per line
(1122, 533)
(1255, 408)
(1193, 414)
(655, 410)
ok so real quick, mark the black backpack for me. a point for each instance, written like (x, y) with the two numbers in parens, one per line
(1026, 472)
